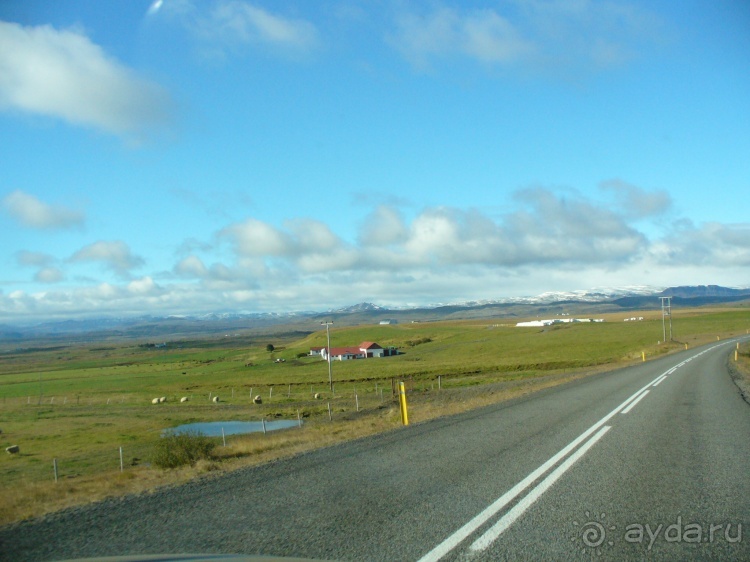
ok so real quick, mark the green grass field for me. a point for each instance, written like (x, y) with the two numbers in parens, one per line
(81, 403)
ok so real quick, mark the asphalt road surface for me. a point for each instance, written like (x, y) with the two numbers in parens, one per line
(648, 462)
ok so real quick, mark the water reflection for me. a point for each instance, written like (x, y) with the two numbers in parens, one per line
(213, 429)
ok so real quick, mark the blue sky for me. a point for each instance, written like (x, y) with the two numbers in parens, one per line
(188, 156)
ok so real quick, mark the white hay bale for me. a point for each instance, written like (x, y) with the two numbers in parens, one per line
(318, 396)
(215, 398)
(184, 399)
(163, 399)
(12, 450)
(155, 401)
(257, 400)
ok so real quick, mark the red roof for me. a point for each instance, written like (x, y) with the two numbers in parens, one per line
(369, 345)
(349, 350)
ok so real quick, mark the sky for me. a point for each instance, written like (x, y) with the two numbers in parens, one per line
(193, 156)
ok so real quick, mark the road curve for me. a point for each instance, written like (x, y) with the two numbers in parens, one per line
(650, 461)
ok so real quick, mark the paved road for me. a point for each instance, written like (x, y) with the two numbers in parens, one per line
(645, 462)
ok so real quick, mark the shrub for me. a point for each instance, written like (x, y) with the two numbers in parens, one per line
(412, 343)
(178, 449)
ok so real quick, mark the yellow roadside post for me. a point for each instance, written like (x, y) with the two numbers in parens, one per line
(402, 403)
(643, 356)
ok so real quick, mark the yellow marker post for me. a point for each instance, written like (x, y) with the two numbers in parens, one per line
(643, 356)
(685, 346)
(402, 403)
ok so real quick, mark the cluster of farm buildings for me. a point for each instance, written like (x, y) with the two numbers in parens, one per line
(364, 350)
(557, 321)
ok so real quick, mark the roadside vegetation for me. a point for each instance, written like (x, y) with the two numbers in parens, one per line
(88, 407)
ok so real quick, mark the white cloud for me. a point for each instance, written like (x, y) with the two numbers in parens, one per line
(32, 212)
(248, 23)
(191, 266)
(61, 73)
(34, 259)
(636, 202)
(256, 238)
(49, 275)
(546, 34)
(481, 34)
(143, 286)
(229, 24)
(711, 244)
(383, 227)
(115, 255)
(47, 271)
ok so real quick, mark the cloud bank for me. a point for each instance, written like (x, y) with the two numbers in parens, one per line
(547, 239)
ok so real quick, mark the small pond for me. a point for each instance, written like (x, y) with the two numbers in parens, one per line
(213, 429)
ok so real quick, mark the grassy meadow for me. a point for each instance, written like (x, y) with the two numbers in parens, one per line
(80, 403)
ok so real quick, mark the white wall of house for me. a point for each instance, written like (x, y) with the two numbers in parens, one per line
(375, 352)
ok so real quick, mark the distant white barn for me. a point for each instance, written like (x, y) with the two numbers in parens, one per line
(537, 323)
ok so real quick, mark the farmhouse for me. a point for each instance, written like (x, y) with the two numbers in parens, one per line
(365, 350)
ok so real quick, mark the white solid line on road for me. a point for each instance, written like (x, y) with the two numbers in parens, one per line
(491, 535)
(634, 402)
(463, 533)
(661, 380)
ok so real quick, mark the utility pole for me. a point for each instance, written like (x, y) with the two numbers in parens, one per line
(328, 352)
(666, 310)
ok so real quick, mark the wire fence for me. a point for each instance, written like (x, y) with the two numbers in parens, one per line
(263, 405)
(305, 405)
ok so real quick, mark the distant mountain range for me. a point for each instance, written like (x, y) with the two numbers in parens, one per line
(592, 301)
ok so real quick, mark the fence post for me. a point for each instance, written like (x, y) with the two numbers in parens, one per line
(330, 418)
(299, 420)
(402, 402)
(54, 467)
(223, 438)
(121, 466)
(356, 401)
(263, 420)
